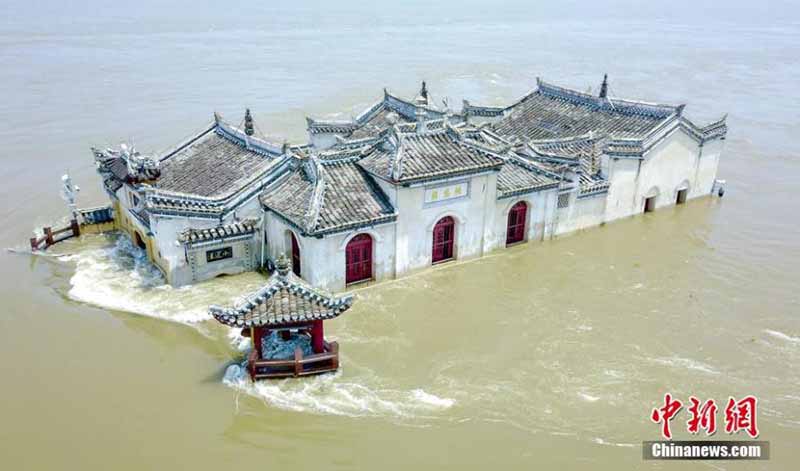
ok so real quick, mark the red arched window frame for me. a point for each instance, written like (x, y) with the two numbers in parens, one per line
(444, 237)
(295, 256)
(358, 259)
(517, 217)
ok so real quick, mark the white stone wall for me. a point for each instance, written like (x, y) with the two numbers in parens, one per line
(669, 165)
(582, 213)
(678, 161)
(322, 260)
(245, 258)
(171, 255)
(472, 214)
(623, 174)
(541, 208)
(707, 169)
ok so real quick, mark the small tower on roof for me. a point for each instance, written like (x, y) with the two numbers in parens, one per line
(422, 98)
(248, 123)
(604, 87)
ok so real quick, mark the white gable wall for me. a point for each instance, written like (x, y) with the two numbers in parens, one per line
(707, 169)
(667, 166)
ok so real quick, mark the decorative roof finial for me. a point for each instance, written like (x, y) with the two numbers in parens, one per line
(217, 118)
(248, 122)
(422, 98)
(604, 87)
(282, 266)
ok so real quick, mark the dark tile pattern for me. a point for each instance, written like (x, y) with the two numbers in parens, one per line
(556, 112)
(411, 157)
(212, 165)
(285, 299)
(222, 232)
(337, 196)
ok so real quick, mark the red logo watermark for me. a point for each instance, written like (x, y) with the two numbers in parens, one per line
(739, 415)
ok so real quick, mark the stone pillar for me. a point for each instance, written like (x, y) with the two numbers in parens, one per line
(317, 337)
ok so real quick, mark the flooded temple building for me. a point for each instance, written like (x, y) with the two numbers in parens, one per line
(406, 184)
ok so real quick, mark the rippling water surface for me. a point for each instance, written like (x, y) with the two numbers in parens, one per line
(544, 355)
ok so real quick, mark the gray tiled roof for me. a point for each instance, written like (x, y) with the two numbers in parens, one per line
(329, 193)
(552, 111)
(216, 162)
(419, 156)
(375, 119)
(222, 232)
(580, 153)
(518, 177)
(285, 299)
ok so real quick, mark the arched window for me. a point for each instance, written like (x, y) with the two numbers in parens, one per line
(295, 256)
(358, 259)
(444, 236)
(517, 217)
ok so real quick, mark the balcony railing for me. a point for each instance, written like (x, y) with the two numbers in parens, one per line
(300, 365)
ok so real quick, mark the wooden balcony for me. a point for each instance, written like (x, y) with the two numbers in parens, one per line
(300, 365)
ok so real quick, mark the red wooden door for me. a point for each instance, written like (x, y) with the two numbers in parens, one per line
(358, 259)
(444, 233)
(295, 256)
(516, 223)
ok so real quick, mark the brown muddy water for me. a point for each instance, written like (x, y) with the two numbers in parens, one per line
(547, 355)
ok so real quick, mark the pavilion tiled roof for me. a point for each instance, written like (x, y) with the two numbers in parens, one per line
(285, 299)
(328, 192)
(217, 162)
(430, 154)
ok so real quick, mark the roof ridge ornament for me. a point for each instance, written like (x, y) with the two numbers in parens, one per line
(422, 98)
(312, 215)
(282, 266)
(396, 168)
(248, 122)
(604, 87)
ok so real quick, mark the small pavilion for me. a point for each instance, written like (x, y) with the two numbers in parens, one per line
(284, 320)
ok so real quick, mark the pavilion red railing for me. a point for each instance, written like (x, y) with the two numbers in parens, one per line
(293, 367)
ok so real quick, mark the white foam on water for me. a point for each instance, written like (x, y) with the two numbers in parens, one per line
(436, 401)
(332, 394)
(782, 336)
(588, 397)
(120, 277)
(686, 363)
(600, 441)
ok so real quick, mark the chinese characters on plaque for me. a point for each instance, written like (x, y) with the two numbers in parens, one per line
(446, 192)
